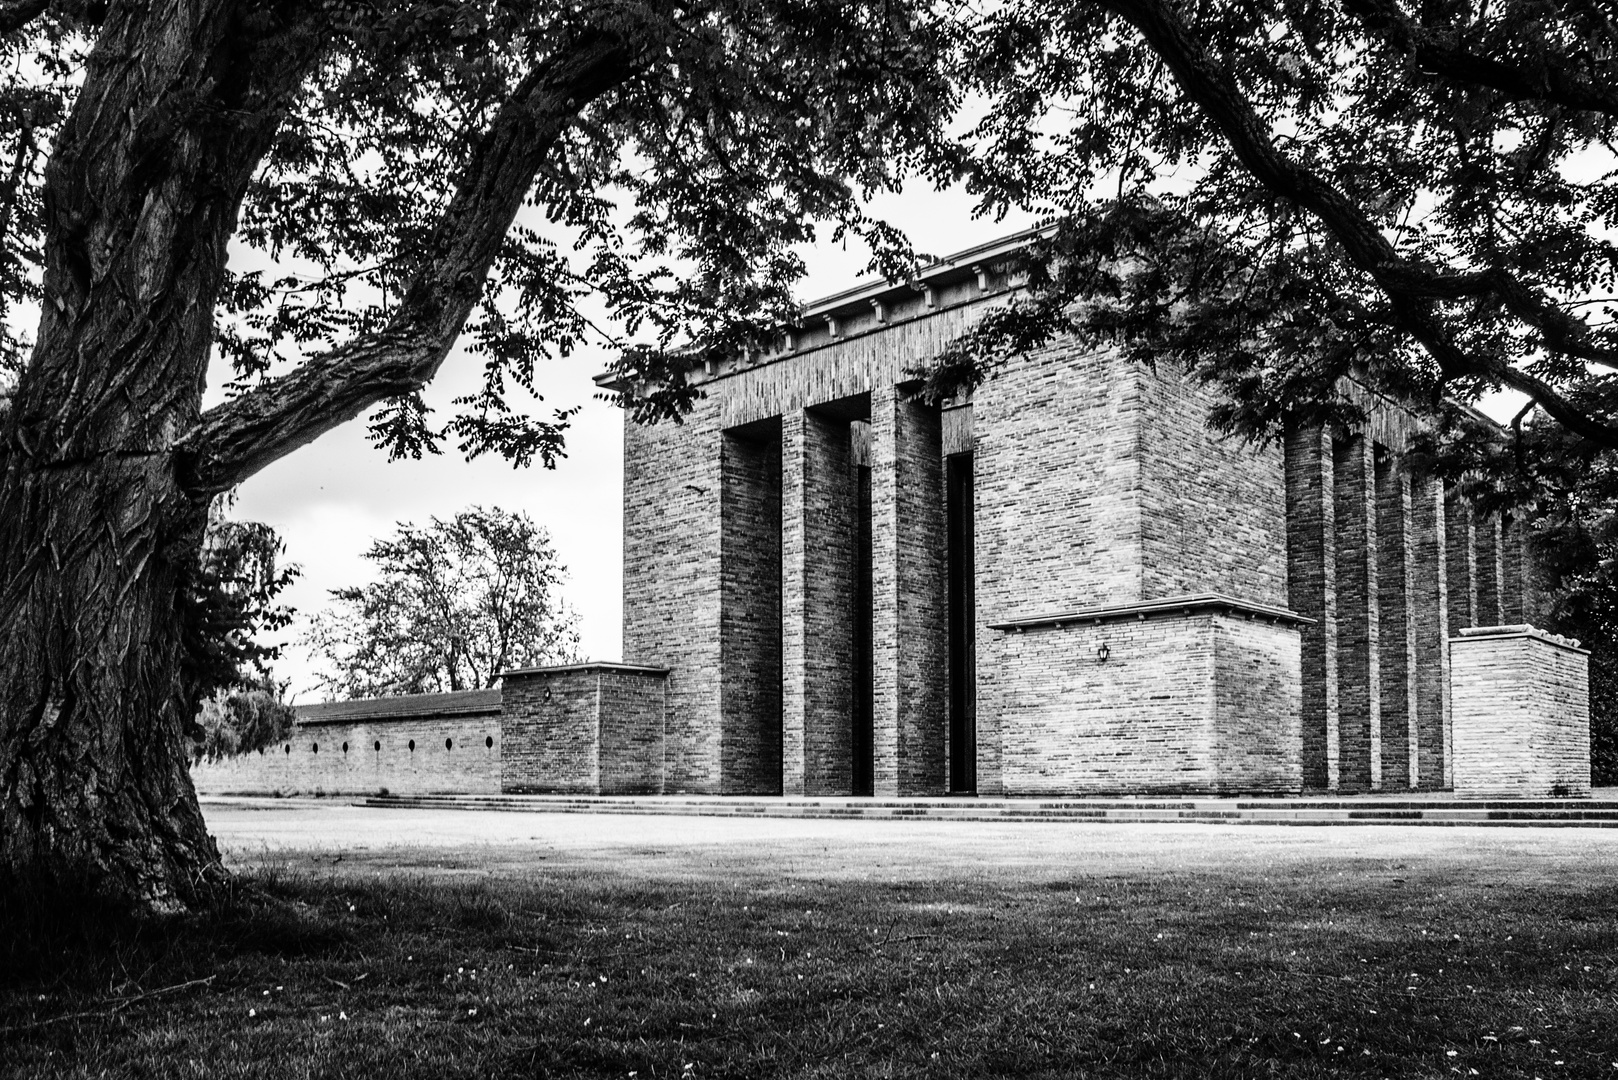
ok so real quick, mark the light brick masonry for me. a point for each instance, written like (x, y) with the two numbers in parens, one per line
(1521, 713)
(426, 744)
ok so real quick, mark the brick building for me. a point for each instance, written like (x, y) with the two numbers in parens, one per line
(1068, 584)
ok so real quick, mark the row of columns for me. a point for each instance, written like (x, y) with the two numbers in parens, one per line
(1388, 567)
(816, 607)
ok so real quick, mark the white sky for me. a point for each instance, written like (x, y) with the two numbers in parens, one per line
(331, 499)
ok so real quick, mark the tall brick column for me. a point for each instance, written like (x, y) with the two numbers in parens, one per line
(909, 625)
(1312, 593)
(818, 503)
(1396, 642)
(1461, 565)
(1486, 537)
(1358, 662)
(1429, 609)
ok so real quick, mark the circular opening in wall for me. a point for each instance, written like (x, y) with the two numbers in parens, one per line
(345, 748)
(412, 745)
(288, 748)
(378, 746)
(314, 748)
(449, 744)
(488, 741)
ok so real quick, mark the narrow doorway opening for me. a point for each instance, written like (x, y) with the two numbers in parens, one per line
(861, 745)
(963, 750)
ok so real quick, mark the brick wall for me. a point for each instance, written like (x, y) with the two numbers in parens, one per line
(1213, 509)
(1429, 629)
(1257, 706)
(1057, 475)
(1460, 564)
(552, 724)
(818, 531)
(413, 758)
(672, 583)
(1358, 623)
(1486, 536)
(584, 729)
(1396, 643)
(1204, 702)
(909, 622)
(1312, 593)
(1055, 468)
(632, 705)
(1520, 705)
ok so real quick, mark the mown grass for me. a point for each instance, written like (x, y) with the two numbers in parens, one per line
(1324, 970)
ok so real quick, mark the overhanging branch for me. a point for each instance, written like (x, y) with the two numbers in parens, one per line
(234, 440)
(1411, 287)
(1546, 82)
(19, 13)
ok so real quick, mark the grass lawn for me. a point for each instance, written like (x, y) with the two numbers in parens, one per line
(1344, 968)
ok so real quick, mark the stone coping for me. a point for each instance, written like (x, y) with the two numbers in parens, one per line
(595, 666)
(1144, 609)
(455, 703)
(1520, 630)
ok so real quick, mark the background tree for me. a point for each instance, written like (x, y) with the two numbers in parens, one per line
(455, 604)
(377, 157)
(241, 720)
(233, 599)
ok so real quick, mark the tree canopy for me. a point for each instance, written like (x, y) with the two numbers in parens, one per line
(455, 604)
(1284, 194)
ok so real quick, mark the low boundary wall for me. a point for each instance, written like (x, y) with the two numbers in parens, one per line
(417, 745)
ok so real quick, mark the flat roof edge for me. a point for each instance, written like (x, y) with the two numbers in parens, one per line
(1146, 608)
(598, 665)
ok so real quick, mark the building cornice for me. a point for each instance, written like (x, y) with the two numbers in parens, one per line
(1215, 603)
(598, 666)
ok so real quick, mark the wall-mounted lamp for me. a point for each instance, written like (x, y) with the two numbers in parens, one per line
(1102, 653)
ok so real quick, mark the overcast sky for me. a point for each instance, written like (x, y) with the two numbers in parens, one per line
(331, 499)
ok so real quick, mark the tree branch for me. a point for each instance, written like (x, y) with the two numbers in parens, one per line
(19, 13)
(234, 440)
(1549, 83)
(1406, 284)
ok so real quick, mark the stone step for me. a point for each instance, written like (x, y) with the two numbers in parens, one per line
(1437, 812)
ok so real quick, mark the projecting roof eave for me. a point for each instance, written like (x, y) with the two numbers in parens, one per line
(600, 666)
(1173, 605)
(961, 264)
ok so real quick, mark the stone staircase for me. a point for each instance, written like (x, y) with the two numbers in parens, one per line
(1600, 812)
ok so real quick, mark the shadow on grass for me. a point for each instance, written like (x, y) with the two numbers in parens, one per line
(1354, 970)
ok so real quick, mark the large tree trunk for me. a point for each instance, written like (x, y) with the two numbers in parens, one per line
(94, 785)
(180, 101)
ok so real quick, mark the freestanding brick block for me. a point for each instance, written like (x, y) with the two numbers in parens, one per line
(1521, 713)
(593, 729)
(1185, 694)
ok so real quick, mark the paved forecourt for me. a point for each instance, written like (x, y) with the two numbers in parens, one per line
(313, 832)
